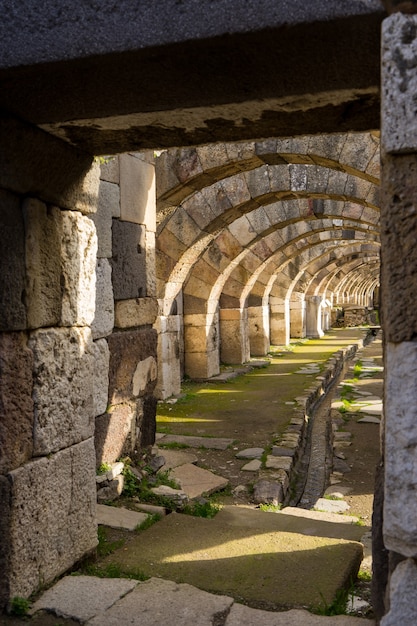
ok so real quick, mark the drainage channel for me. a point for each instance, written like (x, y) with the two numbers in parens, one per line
(314, 467)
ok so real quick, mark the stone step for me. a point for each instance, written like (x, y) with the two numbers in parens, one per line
(156, 602)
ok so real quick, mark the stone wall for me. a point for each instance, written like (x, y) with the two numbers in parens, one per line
(77, 350)
(126, 305)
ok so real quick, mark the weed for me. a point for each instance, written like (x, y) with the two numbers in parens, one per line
(331, 497)
(364, 576)
(337, 607)
(207, 509)
(19, 606)
(173, 445)
(113, 570)
(105, 546)
(270, 508)
(148, 522)
(142, 489)
(103, 469)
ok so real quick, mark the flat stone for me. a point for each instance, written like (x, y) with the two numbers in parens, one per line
(339, 465)
(111, 490)
(338, 492)
(151, 509)
(241, 614)
(211, 443)
(282, 451)
(178, 496)
(268, 492)
(331, 506)
(342, 436)
(375, 409)
(119, 517)
(322, 516)
(252, 466)
(159, 601)
(342, 444)
(174, 458)
(82, 597)
(278, 462)
(250, 453)
(369, 419)
(195, 481)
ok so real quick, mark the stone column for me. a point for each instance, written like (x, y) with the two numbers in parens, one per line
(234, 336)
(169, 329)
(399, 314)
(258, 318)
(313, 317)
(201, 345)
(279, 320)
(297, 315)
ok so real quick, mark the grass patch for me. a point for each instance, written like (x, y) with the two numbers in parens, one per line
(105, 546)
(19, 606)
(338, 606)
(103, 469)
(112, 570)
(173, 445)
(270, 508)
(148, 522)
(206, 509)
(142, 489)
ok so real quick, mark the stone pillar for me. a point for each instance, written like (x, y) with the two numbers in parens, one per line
(234, 336)
(279, 320)
(258, 318)
(297, 315)
(126, 223)
(399, 312)
(201, 345)
(170, 338)
(313, 317)
(50, 384)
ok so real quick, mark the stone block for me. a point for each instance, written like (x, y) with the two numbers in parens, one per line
(110, 171)
(108, 207)
(268, 492)
(147, 429)
(119, 517)
(135, 312)
(43, 228)
(127, 350)
(52, 508)
(101, 356)
(103, 321)
(128, 260)
(111, 490)
(150, 244)
(137, 191)
(202, 364)
(398, 232)
(183, 227)
(114, 433)
(400, 509)
(82, 194)
(78, 269)
(12, 261)
(399, 84)
(5, 547)
(16, 404)
(403, 584)
(145, 373)
(63, 380)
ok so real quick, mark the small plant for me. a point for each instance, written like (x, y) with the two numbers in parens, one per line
(103, 469)
(113, 570)
(173, 445)
(364, 576)
(337, 607)
(19, 606)
(148, 522)
(206, 509)
(270, 508)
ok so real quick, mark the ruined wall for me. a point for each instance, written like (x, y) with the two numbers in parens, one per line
(126, 305)
(48, 361)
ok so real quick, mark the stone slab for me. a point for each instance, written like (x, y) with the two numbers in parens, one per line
(82, 597)
(158, 602)
(236, 549)
(174, 458)
(211, 443)
(241, 614)
(103, 321)
(279, 462)
(369, 419)
(119, 517)
(322, 516)
(250, 453)
(196, 481)
(331, 506)
(252, 466)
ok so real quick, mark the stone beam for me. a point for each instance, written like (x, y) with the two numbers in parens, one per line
(128, 76)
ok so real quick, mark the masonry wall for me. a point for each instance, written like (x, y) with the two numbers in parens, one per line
(77, 348)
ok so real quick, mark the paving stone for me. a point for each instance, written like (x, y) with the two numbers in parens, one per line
(252, 466)
(158, 602)
(320, 516)
(268, 492)
(337, 492)
(119, 517)
(82, 597)
(178, 496)
(375, 409)
(369, 419)
(151, 509)
(342, 436)
(241, 614)
(250, 453)
(278, 462)
(339, 465)
(174, 458)
(331, 506)
(212, 443)
(195, 481)
(282, 451)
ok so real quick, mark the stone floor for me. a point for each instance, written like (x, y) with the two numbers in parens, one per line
(267, 547)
